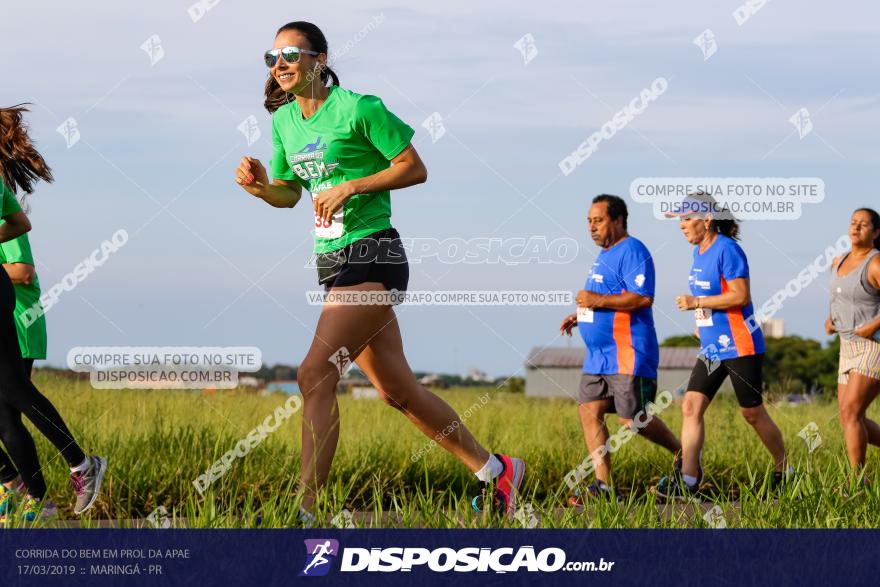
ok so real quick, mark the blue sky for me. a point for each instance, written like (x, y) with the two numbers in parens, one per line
(207, 264)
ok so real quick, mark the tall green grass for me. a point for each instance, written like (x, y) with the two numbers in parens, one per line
(157, 442)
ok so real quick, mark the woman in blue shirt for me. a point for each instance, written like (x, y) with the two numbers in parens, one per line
(730, 339)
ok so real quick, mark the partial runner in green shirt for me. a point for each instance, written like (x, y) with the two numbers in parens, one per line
(18, 261)
(22, 484)
(31, 335)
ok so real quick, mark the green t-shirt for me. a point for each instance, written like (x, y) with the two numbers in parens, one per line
(349, 137)
(8, 203)
(31, 338)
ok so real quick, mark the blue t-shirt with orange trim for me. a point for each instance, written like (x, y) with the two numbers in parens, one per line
(621, 343)
(731, 333)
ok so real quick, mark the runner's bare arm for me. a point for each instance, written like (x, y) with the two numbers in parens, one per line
(20, 273)
(282, 193)
(406, 169)
(15, 225)
(568, 323)
(736, 296)
(829, 326)
(252, 177)
(874, 271)
(868, 329)
(829, 323)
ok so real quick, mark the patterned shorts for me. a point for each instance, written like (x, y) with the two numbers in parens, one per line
(861, 356)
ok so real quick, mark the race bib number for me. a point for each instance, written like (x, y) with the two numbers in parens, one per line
(585, 315)
(703, 317)
(329, 229)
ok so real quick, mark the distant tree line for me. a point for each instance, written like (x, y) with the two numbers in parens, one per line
(792, 364)
(284, 372)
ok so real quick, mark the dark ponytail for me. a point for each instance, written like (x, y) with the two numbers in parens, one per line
(21, 166)
(275, 96)
(723, 221)
(875, 222)
(729, 228)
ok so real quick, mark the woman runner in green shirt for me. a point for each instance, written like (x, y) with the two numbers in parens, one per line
(21, 166)
(18, 262)
(349, 151)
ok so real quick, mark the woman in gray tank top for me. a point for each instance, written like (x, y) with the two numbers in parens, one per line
(855, 316)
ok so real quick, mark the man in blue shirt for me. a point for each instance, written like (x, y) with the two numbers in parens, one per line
(615, 320)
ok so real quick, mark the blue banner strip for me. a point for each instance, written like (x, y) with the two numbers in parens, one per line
(435, 557)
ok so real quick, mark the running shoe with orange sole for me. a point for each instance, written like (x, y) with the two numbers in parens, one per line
(504, 487)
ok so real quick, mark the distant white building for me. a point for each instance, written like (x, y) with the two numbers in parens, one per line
(477, 375)
(773, 328)
(432, 380)
(556, 371)
(364, 392)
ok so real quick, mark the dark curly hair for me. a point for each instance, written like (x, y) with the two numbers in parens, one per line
(21, 166)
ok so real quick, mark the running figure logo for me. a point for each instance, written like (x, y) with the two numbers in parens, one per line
(317, 561)
(153, 48)
(707, 44)
(526, 46)
(802, 122)
(341, 359)
(312, 147)
(69, 129)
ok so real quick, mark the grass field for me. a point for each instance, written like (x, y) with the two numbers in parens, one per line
(157, 442)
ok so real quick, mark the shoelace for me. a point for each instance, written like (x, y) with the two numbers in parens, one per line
(78, 483)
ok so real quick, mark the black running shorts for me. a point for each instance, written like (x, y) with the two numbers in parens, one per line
(745, 375)
(379, 258)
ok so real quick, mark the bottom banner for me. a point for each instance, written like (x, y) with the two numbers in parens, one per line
(434, 557)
